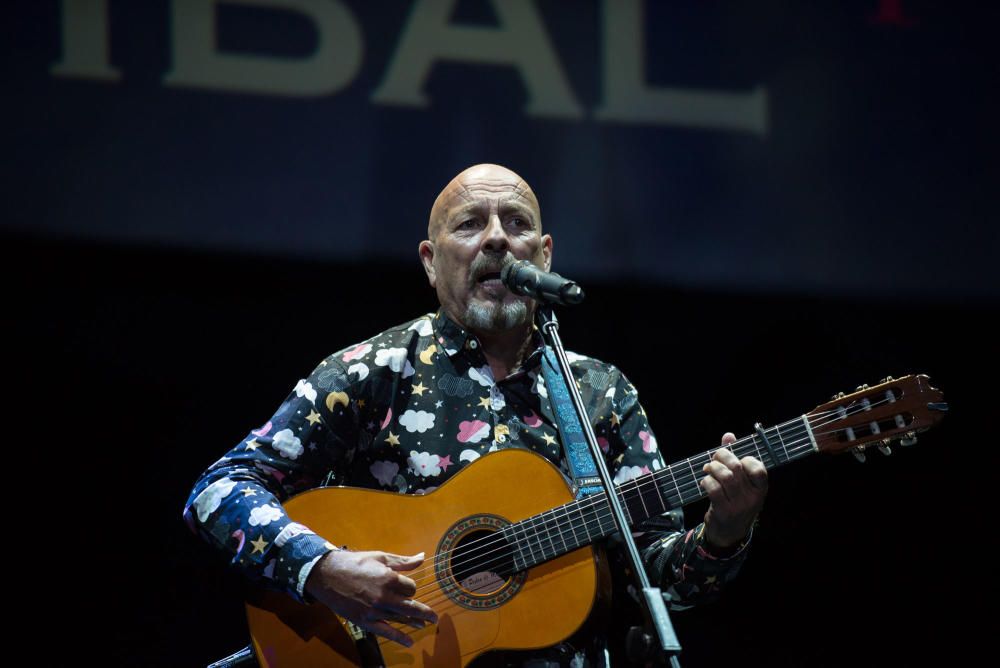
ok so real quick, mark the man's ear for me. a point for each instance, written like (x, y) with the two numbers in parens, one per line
(426, 251)
(547, 251)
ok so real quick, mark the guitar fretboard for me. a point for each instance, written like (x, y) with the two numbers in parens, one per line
(555, 532)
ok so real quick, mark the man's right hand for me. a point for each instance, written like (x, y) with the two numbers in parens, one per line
(367, 588)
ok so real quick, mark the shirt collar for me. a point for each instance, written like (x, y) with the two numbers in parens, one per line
(455, 338)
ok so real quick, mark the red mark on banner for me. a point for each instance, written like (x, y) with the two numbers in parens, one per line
(890, 13)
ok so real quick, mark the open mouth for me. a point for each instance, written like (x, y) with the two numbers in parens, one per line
(489, 276)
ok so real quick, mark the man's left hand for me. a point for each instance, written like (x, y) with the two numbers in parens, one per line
(736, 488)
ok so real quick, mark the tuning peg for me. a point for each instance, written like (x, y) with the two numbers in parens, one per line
(884, 448)
(862, 387)
(859, 453)
(909, 439)
(886, 380)
(838, 395)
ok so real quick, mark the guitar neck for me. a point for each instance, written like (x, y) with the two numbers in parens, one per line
(573, 525)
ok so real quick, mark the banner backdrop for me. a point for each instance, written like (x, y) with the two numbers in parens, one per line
(832, 147)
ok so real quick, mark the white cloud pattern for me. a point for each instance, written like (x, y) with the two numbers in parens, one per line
(263, 515)
(288, 444)
(292, 530)
(305, 389)
(422, 327)
(483, 376)
(424, 464)
(211, 498)
(395, 359)
(419, 421)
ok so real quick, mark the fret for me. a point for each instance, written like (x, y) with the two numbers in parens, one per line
(540, 536)
(673, 478)
(809, 431)
(784, 447)
(694, 476)
(583, 517)
(659, 492)
(559, 529)
(509, 534)
(572, 525)
(529, 538)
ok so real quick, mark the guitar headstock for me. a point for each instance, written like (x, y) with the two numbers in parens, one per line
(896, 409)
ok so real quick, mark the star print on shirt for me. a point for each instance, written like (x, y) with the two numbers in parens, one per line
(549, 439)
(484, 402)
(253, 444)
(392, 439)
(259, 544)
(313, 417)
(419, 389)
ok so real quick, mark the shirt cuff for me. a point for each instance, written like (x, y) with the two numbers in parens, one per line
(298, 555)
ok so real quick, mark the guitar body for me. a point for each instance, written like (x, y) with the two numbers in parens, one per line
(478, 611)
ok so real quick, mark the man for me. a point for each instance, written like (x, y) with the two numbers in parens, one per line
(406, 410)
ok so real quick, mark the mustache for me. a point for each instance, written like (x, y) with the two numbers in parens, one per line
(487, 264)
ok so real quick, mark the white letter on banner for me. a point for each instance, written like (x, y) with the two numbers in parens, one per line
(198, 63)
(520, 40)
(85, 41)
(628, 99)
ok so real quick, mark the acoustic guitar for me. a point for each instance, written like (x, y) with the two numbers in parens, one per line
(511, 562)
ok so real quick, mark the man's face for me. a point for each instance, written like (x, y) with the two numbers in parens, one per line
(485, 219)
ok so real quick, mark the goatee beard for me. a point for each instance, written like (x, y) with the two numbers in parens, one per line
(496, 316)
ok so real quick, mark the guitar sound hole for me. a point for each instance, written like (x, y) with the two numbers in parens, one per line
(482, 562)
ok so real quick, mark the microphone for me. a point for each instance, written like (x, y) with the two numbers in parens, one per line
(526, 279)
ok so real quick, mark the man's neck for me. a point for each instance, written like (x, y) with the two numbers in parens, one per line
(505, 350)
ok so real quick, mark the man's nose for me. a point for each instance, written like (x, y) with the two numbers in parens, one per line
(495, 236)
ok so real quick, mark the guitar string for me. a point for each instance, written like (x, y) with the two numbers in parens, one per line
(799, 436)
(797, 447)
(800, 443)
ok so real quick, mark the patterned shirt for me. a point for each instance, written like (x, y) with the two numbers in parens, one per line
(405, 411)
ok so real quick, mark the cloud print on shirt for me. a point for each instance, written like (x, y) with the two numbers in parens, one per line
(395, 359)
(292, 530)
(358, 351)
(305, 389)
(264, 515)
(211, 498)
(423, 464)
(483, 376)
(473, 431)
(419, 421)
(629, 472)
(288, 444)
(384, 472)
(422, 327)
(360, 368)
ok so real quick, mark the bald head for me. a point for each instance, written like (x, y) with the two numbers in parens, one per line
(484, 219)
(483, 179)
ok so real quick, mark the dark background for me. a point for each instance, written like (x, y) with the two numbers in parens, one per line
(170, 275)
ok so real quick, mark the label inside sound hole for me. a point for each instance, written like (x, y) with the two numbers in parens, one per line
(483, 582)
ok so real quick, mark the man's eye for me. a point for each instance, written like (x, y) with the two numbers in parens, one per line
(466, 224)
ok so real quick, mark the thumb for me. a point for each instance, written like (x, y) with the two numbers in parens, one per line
(399, 562)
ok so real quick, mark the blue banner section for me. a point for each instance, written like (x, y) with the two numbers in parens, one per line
(834, 147)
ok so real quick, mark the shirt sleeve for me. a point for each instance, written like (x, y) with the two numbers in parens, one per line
(677, 560)
(235, 505)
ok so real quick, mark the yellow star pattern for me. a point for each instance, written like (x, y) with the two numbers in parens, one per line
(393, 439)
(419, 389)
(361, 403)
(259, 544)
(484, 402)
(615, 420)
(249, 491)
(252, 444)
(549, 439)
(313, 417)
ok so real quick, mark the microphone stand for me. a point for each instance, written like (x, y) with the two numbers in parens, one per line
(668, 644)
